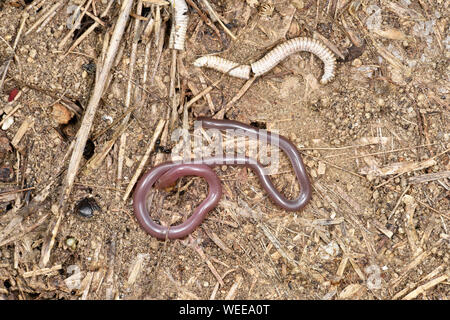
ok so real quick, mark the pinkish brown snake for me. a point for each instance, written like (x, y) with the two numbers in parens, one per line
(167, 173)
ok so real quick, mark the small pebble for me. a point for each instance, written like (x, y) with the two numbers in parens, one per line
(357, 63)
(381, 102)
(8, 123)
(129, 162)
(421, 97)
(71, 243)
(329, 251)
(298, 4)
(375, 195)
(321, 168)
(61, 114)
(33, 53)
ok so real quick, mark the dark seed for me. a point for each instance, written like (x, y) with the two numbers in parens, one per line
(89, 67)
(86, 207)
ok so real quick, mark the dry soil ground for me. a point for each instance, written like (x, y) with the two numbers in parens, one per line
(375, 142)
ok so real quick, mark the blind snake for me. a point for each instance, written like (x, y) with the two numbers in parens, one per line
(167, 173)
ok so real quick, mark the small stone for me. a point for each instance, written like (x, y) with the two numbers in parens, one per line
(61, 114)
(310, 164)
(313, 173)
(298, 4)
(223, 168)
(71, 243)
(375, 195)
(421, 97)
(349, 187)
(357, 63)
(33, 53)
(84, 74)
(318, 203)
(8, 123)
(175, 218)
(129, 162)
(381, 102)
(329, 251)
(321, 168)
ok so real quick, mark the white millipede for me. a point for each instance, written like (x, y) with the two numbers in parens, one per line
(179, 27)
(226, 66)
(272, 58)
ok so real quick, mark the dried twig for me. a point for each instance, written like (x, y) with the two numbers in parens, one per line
(21, 132)
(129, 86)
(52, 231)
(91, 109)
(204, 18)
(429, 177)
(136, 268)
(238, 95)
(9, 115)
(75, 24)
(232, 293)
(216, 17)
(42, 271)
(151, 146)
(98, 158)
(413, 294)
(45, 16)
(19, 33)
(211, 267)
(92, 28)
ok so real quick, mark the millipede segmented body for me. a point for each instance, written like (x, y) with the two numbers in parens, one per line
(289, 47)
(178, 33)
(225, 66)
(275, 56)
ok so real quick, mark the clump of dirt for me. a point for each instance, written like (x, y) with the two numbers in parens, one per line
(375, 143)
